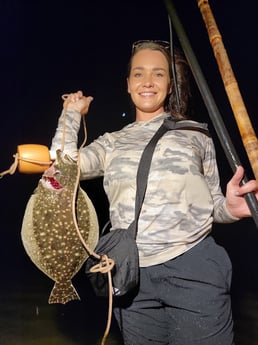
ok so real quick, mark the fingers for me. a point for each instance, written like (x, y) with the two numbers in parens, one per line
(84, 110)
(77, 101)
(72, 97)
(250, 186)
(239, 190)
(75, 97)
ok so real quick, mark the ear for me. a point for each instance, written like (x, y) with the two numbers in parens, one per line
(170, 87)
(128, 86)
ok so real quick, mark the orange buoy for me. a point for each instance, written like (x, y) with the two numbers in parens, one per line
(33, 158)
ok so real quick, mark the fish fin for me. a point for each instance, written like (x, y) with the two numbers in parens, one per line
(63, 292)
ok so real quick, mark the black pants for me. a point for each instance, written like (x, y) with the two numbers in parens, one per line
(184, 301)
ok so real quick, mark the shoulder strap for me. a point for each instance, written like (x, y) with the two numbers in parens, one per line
(145, 161)
(142, 175)
(170, 123)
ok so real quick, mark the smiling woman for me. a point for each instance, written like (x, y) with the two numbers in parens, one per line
(182, 200)
(81, 48)
(149, 78)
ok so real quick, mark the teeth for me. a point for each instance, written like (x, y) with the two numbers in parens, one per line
(51, 183)
(55, 184)
(46, 184)
(147, 94)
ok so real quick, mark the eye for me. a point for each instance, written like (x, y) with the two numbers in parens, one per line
(137, 75)
(159, 74)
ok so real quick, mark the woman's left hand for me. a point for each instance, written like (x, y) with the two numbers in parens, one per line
(235, 201)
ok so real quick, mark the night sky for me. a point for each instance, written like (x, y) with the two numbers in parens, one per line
(49, 48)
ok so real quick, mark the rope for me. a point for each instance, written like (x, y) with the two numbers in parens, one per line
(106, 264)
(18, 158)
(12, 168)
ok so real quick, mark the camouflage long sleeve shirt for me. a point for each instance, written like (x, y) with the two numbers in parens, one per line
(183, 196)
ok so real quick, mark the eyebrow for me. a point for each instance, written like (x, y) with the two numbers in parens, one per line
(153, 69)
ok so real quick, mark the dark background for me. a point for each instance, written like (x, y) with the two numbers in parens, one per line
(49, 48)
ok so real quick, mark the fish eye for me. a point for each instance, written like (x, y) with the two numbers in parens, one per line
(68, 159)
(57, 172)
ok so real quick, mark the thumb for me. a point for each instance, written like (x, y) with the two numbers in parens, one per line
(238, 176)
(86, 106)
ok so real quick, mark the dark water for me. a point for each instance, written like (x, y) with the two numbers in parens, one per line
(26, 318)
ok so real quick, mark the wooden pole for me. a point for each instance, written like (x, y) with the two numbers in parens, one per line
(211, 106)
(242, 119)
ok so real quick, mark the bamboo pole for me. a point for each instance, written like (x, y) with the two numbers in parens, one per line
(210, 103)
(231, 86)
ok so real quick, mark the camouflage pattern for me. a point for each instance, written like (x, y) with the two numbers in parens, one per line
(48, 231)
(183, 196)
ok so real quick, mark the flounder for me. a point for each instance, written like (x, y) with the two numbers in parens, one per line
(49, 234)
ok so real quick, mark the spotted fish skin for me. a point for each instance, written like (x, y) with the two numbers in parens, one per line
(49, 232)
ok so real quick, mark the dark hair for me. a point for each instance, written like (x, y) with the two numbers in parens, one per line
(152, 45)
(181, 109)
(182, 76)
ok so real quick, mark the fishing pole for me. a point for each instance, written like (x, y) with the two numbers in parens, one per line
(211, 106)
(231, 86)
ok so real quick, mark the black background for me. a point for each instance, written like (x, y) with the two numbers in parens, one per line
(49, 48)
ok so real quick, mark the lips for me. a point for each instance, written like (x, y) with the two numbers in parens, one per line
(147, 94)
(48, 179)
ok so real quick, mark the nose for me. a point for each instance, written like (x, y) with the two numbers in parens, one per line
(148, 81)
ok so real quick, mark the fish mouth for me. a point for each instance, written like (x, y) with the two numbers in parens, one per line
(50, 182)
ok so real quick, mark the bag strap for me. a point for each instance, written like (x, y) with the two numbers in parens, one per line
(186, 124)
(145, 162)
(142, 176)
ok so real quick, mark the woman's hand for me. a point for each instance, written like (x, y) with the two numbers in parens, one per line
(235, 201)
(77, 101)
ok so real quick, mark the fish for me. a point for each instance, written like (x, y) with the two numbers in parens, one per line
(49, 234)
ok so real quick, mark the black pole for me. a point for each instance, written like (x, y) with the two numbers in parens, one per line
(211, 106)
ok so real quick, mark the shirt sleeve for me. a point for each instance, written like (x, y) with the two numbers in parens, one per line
(92, 156)
(71, 120)
(211, 173)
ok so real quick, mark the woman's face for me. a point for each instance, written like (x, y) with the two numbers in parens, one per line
(149, 83)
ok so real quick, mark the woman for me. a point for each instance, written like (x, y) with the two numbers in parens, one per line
(185, 276)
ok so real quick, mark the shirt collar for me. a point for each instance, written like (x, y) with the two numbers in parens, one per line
(154, 120)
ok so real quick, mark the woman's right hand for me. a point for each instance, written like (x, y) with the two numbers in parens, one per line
(77, 101)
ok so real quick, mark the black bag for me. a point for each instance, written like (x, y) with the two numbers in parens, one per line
(120, 246)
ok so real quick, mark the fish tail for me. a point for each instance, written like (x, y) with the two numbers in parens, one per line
(63, 292)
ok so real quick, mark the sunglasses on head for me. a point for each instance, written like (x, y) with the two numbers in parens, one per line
(164, 44)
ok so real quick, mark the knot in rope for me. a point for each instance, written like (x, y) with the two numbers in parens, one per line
(104, 266)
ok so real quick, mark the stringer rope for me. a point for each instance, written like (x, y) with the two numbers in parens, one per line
(18, 158)
(106, 264)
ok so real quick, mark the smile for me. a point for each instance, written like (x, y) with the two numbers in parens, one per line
(147, 94)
